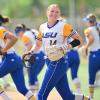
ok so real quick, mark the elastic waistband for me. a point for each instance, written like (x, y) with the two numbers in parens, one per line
(10, 52)
(94, 51)
(7, 54)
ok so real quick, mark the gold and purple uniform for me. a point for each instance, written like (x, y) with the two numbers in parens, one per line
(12, 64)
(55, 75)
(94, 53)
(29, 38)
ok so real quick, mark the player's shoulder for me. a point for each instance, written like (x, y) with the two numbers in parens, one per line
(64, 23)
(34, 31)
(30, 34)
(27, 36)
(87, 30)
(27, 33)
(43, 24)
(61, 23)
(2, 30)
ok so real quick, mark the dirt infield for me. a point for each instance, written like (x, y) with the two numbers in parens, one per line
(54, 96)
(17, 96)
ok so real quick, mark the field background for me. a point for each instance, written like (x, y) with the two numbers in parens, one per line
(83, 75)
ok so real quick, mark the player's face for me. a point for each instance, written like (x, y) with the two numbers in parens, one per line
(20, 34)
(88, 24)
(53, 13)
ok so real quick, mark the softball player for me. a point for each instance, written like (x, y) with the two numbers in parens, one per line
(74, 62)
(52, 35)
(11, 63)
(92, 34)
(28, 36)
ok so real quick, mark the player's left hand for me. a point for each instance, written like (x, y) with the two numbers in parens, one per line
(28, 57)
(2, 52)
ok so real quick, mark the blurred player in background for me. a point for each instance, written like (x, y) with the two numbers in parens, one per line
(52, 35)
(11, 62)
(28, 37)
(92, 34)
(74, 63)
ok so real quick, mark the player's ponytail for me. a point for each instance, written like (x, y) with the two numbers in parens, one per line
(23, 27)
(3, 19)
(98, 29)
(93, 20)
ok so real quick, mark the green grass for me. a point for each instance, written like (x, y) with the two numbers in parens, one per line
(83, 75)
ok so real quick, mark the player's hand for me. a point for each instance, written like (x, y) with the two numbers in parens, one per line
(27, 53)
(2, 52)
(65, 47)
(28, 57)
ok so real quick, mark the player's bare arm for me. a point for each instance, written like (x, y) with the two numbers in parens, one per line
(11, 40)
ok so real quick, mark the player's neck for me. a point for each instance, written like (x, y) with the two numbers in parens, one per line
(52, 23)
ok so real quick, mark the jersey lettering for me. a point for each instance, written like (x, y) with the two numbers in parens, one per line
(50, 35)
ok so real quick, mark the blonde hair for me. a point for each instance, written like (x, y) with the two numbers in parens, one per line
(53, 5)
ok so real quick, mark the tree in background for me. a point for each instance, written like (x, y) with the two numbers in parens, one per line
(30, 8)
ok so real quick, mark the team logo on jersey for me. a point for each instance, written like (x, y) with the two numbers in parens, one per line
(50, 35)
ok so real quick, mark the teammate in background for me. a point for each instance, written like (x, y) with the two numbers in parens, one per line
(74, 63)
(11, 62)
(92, 34)
(28, 36)
(52, 35)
